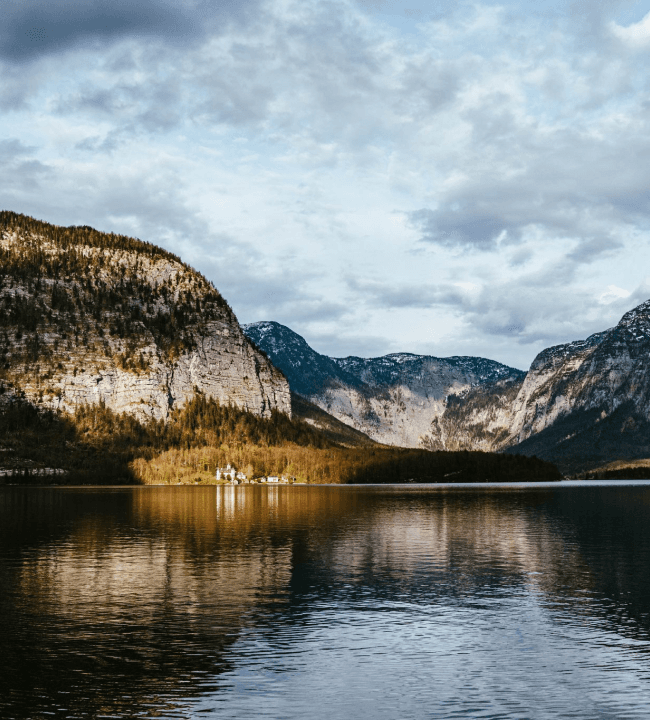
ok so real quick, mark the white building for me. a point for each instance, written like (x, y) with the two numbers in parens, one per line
(230, 473)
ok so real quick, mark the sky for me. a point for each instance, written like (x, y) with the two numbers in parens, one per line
(449, 178)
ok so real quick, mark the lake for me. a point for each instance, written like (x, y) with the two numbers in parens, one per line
(383, 602)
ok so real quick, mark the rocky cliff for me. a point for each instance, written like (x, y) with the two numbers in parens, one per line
(89, 317)
(581, 404)
(588, 402)
(393, 399)
(479, 418)
(602, 373)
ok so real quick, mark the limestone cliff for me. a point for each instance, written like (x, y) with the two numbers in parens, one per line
(480, 418)
(581, 404)
(600, 373)
(589, 402)
(89, 317)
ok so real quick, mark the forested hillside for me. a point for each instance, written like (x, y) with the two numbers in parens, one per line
(88, 317)
(95, 445)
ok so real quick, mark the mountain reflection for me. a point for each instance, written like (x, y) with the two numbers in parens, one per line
(117, 601)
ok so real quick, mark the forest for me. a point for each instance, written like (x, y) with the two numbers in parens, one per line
(95, 445)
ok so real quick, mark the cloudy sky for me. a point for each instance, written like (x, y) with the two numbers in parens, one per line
(380, 176)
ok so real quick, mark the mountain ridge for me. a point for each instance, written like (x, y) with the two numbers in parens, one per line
(581, 403)
(387, 397)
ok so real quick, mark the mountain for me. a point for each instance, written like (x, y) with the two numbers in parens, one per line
(584, 404)
(581, 404)
(308, 372)
(89, 317)
(392, 399)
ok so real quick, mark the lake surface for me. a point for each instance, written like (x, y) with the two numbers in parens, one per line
(326, 602)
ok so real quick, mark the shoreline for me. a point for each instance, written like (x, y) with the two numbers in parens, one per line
(589, 482)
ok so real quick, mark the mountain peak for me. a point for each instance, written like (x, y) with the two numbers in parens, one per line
(636, 323)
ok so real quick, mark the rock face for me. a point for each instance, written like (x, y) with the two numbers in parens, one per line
(581, 404)
(479, 418)
(392, 399)
(87, 317)
(308, 372)
(589, 400)
(555, 386)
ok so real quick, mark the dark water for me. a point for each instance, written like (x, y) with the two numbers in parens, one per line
(325, 602)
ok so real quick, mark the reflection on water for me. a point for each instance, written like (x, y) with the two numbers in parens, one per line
(325, 602)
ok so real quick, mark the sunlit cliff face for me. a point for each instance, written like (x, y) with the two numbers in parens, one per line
(90, 318)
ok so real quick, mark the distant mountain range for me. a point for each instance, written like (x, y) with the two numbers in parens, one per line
(580, 405)
(392, 399)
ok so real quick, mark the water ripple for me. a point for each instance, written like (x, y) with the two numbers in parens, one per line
(532, 602)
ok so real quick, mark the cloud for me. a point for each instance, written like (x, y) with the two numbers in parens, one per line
(346, 343)
(22, 174)
(40, 27)
(612, 294)
(459, 226)
(565, 184)
(391, 295)
(640, 294)
(636, 35)
(12, 148)
(297, 77)
(301, 153)
(259, 292)
(525, 309)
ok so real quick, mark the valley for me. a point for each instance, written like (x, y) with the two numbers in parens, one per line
(95, 324)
